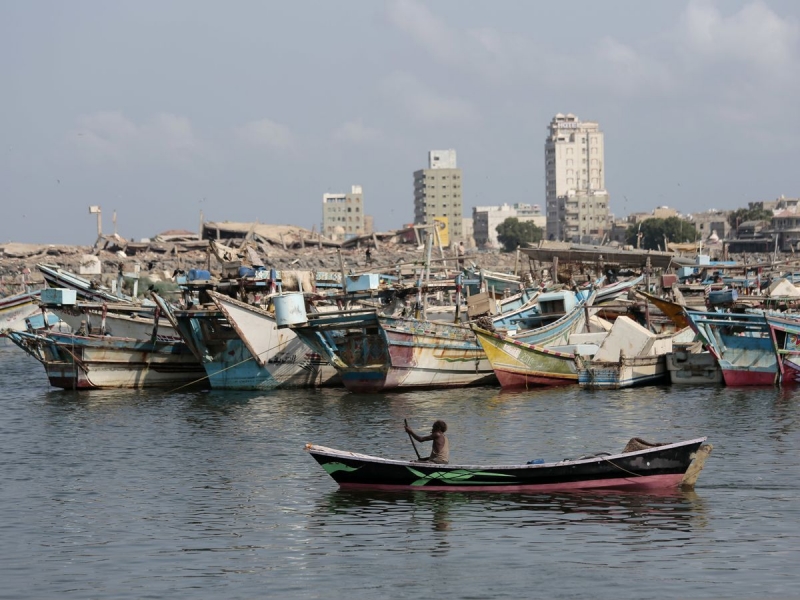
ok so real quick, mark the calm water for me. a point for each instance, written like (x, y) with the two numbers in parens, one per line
(211, 495)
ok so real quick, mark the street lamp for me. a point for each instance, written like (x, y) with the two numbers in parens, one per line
(95, 210)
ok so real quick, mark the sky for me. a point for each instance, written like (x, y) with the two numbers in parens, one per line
(162, 112)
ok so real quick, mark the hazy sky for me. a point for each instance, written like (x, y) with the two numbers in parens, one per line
(252, 110)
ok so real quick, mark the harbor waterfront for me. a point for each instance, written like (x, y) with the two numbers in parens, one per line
(210, 494)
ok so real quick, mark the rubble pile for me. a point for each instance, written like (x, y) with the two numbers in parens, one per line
(160, 259)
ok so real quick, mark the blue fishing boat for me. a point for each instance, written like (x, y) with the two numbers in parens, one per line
(742, 344)
(241, 348)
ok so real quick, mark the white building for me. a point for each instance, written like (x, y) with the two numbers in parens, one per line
(343, 214)
(577, 204)
(485, 220)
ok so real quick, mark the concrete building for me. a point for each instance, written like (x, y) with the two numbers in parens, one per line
(437, 193)
(711, 221)
(485, 220)
(343, 214)
(467, 232)
(577, 203)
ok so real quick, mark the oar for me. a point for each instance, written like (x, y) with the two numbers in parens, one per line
(412, 440)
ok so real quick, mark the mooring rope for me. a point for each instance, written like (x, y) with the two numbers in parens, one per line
(241, 362)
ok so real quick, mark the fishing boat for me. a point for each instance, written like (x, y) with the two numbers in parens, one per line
(543, 356)
(630, 355)
(74, 362)
(241, 348)
(15, 309)
(56, 277)
(119, 319)
(785, 332)
(375, 353)
(496, 284)
(640, 466)
(742, 343)
(616, 290)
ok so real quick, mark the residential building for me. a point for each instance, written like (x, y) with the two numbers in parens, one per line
(343, 214)
(786, 226)
(577, 203)
(437, 193)
(485, 220)
(711, 221)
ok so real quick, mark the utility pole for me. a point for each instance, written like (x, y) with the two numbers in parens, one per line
(95, 210)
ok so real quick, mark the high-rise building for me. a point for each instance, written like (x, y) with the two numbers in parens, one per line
(437, 193)
(343, 214)
(576, 197)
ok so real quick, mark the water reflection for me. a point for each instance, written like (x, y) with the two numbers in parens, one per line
(672, 510)
(669, 510)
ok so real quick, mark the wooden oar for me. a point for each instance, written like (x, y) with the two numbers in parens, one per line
(412, 439)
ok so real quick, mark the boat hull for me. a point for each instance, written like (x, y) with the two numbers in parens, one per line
(743, 344)
(75, 362)
(520, 365)
(629, 372)
(743, 376)
(693, 368)
(657, 467)
(241, 348)
(414, 354)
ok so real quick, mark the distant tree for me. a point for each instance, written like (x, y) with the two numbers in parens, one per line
(653, 232)
(742, 215)
(513, 233)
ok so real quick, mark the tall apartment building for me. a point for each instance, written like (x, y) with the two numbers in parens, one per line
(577, 202)
(437, 192)
(343, 214)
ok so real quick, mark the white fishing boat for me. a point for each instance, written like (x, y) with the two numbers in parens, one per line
(630, 355)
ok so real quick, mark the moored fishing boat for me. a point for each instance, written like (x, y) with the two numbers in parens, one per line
(785, 332)
(241, 348)
(15, 309)
(75, 362)
(56, 277)
(542, 356)
(376, 352)
(640, 466)
(630, 355)
(742, 344)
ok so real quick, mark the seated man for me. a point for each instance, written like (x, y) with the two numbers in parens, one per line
(440, 452)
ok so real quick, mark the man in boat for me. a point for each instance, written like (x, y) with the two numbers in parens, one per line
(440, 452)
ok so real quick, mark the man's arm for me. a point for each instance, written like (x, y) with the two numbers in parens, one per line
(418, 437)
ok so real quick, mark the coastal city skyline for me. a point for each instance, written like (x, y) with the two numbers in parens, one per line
(254, 114)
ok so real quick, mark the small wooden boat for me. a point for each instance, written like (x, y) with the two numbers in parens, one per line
(640, 466)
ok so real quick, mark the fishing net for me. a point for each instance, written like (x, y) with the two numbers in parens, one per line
(636, 444)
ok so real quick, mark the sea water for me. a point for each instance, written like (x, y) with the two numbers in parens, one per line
(162, 494)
